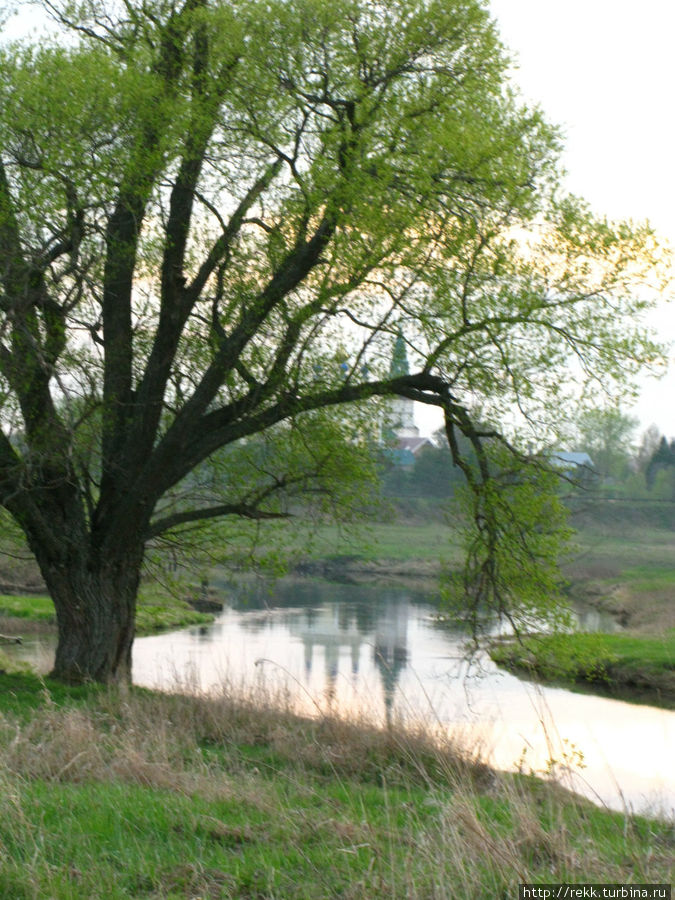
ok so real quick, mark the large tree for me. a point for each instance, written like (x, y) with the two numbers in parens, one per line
(215, 218)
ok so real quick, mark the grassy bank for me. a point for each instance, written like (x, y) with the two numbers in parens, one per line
(158, 609)
(625, 570)
(108, 795)
(639, 595)
(622, 665)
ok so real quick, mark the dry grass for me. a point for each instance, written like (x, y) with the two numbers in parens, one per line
(232, 797)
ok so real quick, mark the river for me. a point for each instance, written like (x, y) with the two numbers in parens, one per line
(379, 652)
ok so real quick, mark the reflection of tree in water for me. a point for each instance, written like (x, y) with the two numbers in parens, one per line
(362, 600)
(251, 595)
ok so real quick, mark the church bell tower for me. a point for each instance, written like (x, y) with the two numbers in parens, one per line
(400, 414)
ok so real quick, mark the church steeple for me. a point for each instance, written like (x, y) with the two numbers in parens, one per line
(399, 358)
(401, 418)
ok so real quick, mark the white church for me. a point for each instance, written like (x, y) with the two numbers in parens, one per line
(400, 431)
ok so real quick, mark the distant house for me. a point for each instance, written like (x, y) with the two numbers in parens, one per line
(414, 445)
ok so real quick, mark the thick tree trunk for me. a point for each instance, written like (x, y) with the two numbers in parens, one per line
(95, 613)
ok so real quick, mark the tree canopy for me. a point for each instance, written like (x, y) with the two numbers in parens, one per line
(215, 220)
(662, 458)
(607, 435)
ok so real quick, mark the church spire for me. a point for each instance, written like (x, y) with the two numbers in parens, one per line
(399, 359)
(400, 417)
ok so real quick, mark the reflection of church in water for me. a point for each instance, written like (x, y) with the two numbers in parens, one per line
(342, 635)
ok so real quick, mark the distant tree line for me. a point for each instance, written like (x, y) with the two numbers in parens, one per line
(431, 476)
(663, 459)
(622, 466)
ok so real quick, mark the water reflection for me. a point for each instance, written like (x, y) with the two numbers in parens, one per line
(333, 622)
(379, 652)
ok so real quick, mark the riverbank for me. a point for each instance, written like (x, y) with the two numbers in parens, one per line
(118, 794)
(617, 567)
(628, 573)
(625, 570)
(158, 610)
(625, 666)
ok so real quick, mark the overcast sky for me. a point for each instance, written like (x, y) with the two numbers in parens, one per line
(604, 70)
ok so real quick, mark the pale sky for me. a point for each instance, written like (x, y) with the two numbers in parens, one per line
(604, 70)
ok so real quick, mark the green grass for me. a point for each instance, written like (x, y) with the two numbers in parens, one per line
(627, 665)
(649, 578)
(141, 795)
(658, 653)
(36, 607)
(158, 609)
(366, 540)
(21, 693)
(613, 554)
(399, 540)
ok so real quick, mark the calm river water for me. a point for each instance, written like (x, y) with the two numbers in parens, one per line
(378, 652)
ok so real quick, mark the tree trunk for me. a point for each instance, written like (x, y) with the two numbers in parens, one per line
(95, 614)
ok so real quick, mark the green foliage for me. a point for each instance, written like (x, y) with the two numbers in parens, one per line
(607, 435)
(274, 491)
(516, 534)
(661, 462)
(433, 475)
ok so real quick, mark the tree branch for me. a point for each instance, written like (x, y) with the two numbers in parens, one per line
(219, 249)
(121, 242)
(212, 512)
